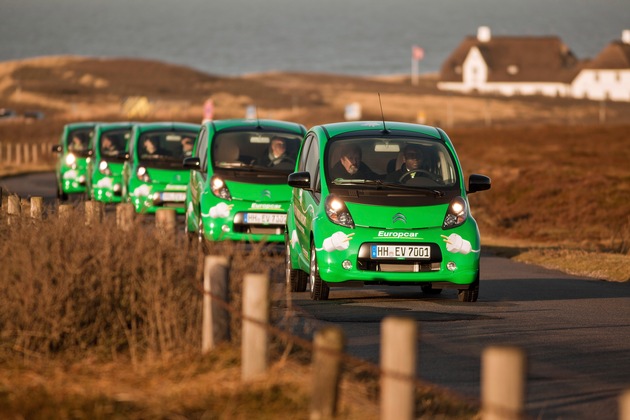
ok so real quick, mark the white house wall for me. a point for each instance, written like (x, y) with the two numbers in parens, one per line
(474, 70)
(594, 84)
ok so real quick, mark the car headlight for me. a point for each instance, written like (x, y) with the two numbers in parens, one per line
(103, 167)
(456, 214)
(337, 211)
(70, 159)
(143, 174)
(219, 189)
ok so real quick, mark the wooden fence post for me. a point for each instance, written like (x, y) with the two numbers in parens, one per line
(65, 211)
(37, 208)
(94, 212)
(502, 383)
(216, 318)
(329, 344)
(165, 220)
(125, 214)
(14, 208)
(398, 368)
(624, 405)
(255, 339)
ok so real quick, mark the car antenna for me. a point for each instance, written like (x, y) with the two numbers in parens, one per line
(258, 126)
(385, 130)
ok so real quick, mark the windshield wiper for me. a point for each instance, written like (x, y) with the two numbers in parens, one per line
(389, 185)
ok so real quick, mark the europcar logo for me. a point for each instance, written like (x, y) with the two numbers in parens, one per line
(390, 234)
(265, 194)
(399, 217)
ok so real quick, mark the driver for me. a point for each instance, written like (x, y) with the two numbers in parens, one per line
(412, 159)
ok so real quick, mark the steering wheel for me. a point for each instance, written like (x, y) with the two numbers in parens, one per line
(418, 172)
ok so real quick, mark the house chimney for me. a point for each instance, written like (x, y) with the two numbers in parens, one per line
(625, 36)
(483, 34)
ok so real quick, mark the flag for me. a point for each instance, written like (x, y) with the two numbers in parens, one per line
(417, 53)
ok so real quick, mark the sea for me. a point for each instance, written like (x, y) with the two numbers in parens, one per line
(354, 37)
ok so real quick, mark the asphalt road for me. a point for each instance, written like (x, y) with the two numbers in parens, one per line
(575, 331)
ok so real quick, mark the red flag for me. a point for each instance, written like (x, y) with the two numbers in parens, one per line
(417, 53)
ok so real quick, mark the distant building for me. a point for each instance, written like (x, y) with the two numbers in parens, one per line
(607, 76)
(519, 65)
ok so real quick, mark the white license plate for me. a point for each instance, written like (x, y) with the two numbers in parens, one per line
(173, 196)
(265, 218)
(401, 252)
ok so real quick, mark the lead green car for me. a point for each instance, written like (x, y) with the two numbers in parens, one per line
(74, 150)
(106, 164)
(381, 203)
(153, 176)
(238, 185)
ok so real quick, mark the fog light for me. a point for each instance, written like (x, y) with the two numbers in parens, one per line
(347, 265)
(451, 266)
(225, 228)
(117, 188)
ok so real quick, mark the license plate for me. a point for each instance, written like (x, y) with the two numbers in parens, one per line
(265, 218)
(401, 252)
(173, 196)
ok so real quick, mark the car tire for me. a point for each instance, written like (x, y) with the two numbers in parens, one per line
(429, 290)
(297, 280)
(319, 288)
(189, 235)
(471, 294)
(61, 195)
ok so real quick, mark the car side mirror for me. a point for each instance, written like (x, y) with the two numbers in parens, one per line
(478, 182)
(300, 180)
(57, 148)
(192, 163)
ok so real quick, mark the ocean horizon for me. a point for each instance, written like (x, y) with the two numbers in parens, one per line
(235, 37)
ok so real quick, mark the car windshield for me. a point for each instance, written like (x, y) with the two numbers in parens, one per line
(114, 142)
(165, 147)
(395, 163)
(258, 151)
(79, 141)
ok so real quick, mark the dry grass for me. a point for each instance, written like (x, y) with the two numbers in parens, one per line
(96, 322)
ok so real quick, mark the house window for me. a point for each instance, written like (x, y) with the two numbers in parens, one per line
(512, 69)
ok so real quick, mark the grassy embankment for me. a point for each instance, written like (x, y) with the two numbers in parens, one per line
(103, 323)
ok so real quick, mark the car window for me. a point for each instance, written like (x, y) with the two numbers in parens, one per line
(79, 141)
(202, 149)
(409, 161)
(261, 151)
(305, 151)
(114, 142)
(166, 146)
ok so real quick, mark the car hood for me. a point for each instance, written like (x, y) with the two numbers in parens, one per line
(389, 217)
(259, 193)
(169, 176)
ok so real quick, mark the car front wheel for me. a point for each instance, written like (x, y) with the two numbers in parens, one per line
(319, 288)
(471, 294)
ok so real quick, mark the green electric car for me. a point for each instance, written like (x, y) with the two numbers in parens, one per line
(105, 167)
(238, 185)
(153, 176)
(378, 203)
(74, 150)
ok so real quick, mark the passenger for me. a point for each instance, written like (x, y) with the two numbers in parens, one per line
(107, 146)
(151, 148)
(276, 156)
(350, 165)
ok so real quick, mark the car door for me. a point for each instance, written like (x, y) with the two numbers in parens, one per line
(198, 178)
(307, 201)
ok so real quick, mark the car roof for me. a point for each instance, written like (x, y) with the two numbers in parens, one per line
(252, 124)
(115, 125)
(167, 125)
(83, 124)
(375, 128)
